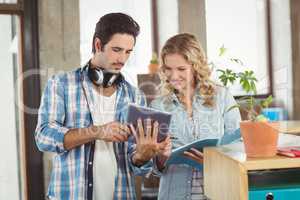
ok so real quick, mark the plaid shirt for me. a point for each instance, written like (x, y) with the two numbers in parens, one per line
(66, 104)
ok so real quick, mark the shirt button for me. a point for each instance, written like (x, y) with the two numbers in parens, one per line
(90, 163)
(90, 185)
(189, 182)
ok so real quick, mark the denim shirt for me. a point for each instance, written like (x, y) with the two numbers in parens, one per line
(207, 122)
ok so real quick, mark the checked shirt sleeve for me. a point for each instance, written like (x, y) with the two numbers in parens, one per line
(50, 130)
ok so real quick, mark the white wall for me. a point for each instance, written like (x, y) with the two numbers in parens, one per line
(167, 11)
(9, 165)
(92, 10)
(240, 26)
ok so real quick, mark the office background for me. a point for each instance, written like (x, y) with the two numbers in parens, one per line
(40, 38)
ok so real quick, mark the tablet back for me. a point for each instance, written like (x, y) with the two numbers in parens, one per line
(163, 118)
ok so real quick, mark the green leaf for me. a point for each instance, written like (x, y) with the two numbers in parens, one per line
(251, 102)
(244, 98)
(212, 65)
(253, 87)
(227, 76)
(266, 102)
(248, 81)
(222, 50)
(233, 107)
(236, 60)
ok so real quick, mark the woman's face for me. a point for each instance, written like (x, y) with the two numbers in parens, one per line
(179, 72)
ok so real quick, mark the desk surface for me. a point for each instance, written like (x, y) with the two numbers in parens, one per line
(291, 127)
(236, 151)
(238, 155)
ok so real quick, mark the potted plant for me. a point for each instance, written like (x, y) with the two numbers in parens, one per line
(260, 136)
(154, 64)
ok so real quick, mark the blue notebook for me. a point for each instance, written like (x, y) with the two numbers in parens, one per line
(229, 138)
(177, 156)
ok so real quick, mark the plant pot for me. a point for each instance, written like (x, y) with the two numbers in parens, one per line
(153, 68)
(260, 138)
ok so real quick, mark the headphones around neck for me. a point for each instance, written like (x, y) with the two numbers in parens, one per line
(102, 77)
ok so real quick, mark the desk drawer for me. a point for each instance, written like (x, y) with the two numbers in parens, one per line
(291, 193)
(284, 184)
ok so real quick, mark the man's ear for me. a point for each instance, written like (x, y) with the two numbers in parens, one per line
(97, 43)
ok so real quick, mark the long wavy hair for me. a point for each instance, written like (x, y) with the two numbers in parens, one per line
(188, 46)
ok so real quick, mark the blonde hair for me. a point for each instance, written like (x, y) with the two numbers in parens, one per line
(187, 45)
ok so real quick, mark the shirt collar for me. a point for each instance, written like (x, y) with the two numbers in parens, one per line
(197, 97)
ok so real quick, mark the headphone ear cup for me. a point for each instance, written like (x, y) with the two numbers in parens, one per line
(100, 76)
(96, 75)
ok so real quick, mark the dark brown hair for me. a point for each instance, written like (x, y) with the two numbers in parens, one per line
(113, 23)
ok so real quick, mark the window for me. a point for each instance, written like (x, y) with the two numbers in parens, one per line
(21, 174)
(10, 181)
(8, 1)
(241, 26)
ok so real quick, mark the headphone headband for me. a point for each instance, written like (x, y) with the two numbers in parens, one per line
(102, 77)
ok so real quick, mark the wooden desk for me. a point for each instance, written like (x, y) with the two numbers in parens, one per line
(226, 171)
(291, 127)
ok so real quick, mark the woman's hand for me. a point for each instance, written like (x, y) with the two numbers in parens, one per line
(165, 148)
(195, 155)
(164, 153)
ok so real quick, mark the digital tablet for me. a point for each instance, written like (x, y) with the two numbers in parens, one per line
(163, 118)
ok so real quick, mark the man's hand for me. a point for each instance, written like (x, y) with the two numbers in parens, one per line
(195, 155)
(146, 142)
(112, 132)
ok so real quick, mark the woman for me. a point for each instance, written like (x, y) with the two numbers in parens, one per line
(199, 111)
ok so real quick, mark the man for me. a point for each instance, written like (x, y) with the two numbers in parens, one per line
(81, 118)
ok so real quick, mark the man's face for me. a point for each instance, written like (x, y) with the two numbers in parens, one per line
(115, 53)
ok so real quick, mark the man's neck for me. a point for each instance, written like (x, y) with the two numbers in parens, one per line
(107, 92)
(93, 63)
